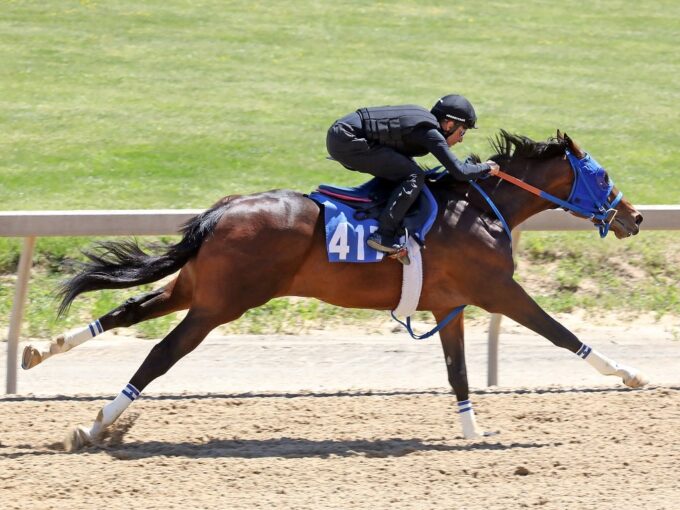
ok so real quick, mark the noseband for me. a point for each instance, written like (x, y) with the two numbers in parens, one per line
(589, 198)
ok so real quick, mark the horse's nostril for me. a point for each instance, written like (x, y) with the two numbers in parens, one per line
(638, 219)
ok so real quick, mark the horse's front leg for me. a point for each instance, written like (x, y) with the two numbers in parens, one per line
(453, 342)
(511, 300)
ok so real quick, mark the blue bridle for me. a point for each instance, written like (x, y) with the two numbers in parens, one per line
(589, 196)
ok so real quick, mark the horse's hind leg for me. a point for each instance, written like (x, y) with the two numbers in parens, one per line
(181, 341)
(173, 297)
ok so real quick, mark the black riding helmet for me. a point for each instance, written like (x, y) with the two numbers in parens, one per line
(456, 108)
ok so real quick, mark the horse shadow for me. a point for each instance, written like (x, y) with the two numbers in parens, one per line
(333, 394)
(295, 448)
(283, 447)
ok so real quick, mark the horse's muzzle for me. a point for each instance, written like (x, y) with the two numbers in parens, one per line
(624, 226)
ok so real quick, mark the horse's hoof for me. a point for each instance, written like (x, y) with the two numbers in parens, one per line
(635, 380)
(480, 434)
(77, 439)
(30, 358)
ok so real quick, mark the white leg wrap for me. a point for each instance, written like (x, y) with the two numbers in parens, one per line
(79, 336)
(73, 339)
(601, 363)
(111, 411)
(467, 420)
(606, 366)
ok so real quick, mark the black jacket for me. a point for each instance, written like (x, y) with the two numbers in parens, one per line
(414, 131)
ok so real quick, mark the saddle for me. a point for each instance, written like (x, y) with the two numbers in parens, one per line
(351, 215)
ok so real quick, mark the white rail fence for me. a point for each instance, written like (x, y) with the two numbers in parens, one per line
(33, 224)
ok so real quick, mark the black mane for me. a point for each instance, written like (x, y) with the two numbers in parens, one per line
(509, 147)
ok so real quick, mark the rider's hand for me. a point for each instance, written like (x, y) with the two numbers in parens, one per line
(494, 167)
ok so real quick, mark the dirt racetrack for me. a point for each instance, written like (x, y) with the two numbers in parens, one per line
(346, 421)
(558, 448)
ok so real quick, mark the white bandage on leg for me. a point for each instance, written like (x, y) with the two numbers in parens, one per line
(630, 376)
(111, 411)
(79, 336)
(74, 338)
(467, 420)
(601, 363)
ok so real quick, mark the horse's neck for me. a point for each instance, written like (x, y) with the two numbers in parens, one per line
(515, 204)
(518, 205)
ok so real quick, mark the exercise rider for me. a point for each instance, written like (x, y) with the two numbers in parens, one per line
(382, 141)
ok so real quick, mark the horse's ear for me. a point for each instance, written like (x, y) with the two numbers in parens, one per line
(573, 147)
(559, 135)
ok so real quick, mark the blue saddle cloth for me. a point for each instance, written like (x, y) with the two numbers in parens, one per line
(350, 216)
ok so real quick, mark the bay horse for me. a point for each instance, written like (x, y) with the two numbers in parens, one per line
(246, 250)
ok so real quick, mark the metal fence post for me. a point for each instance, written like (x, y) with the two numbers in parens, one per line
(17, 315)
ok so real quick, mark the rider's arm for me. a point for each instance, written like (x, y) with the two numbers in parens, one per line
(435, 142)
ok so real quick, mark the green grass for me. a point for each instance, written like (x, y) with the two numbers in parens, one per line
(564, 272)
(173, 104)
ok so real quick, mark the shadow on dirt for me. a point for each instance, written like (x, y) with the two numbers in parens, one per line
(287, 447)
(284, 447)
(333, 394)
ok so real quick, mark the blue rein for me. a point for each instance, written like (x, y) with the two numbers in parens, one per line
(493, 208)
(589, 196)
(453, 313)
(591, 188)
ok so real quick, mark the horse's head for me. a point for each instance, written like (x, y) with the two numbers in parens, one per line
(593, 194)
(560, 172)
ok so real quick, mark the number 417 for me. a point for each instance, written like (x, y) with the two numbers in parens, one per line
(339, 243)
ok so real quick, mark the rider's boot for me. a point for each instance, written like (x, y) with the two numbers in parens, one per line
(385, 238)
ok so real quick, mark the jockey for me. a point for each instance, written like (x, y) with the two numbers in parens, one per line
(382, 141)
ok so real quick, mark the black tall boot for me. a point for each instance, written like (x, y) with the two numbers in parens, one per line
(400, 201)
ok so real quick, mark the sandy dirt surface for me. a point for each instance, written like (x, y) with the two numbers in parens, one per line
(558, 449)
(348, 421)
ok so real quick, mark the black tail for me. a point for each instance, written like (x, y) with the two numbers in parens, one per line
(120, 265)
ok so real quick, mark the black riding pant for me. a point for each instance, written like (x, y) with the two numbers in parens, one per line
(346, 143)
